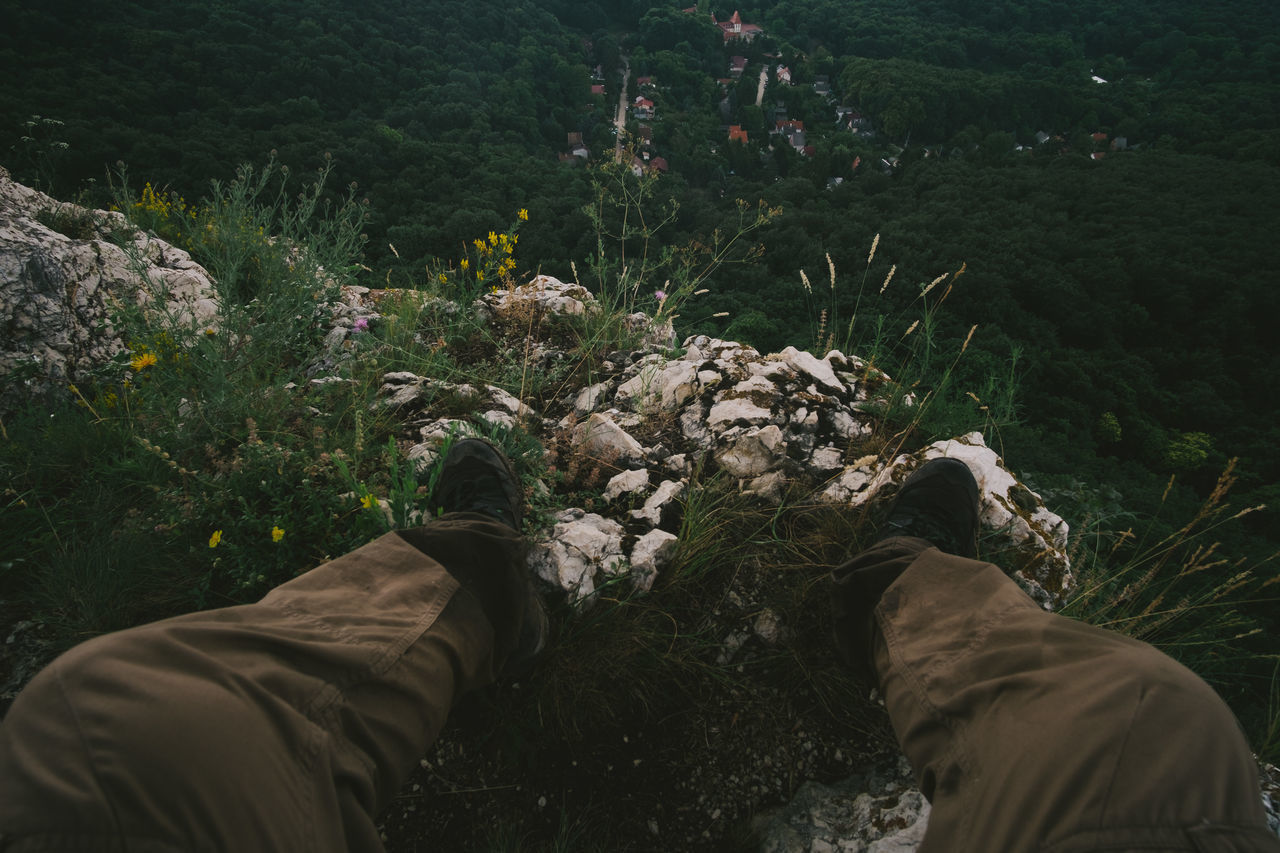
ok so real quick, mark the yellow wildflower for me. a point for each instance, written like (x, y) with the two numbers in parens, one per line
(368, 501)
(465, 264)
(493, 238)
(442, 278)
(215, 539)
(523, 214)
(277, 533)
(142, 361)
(479, 244)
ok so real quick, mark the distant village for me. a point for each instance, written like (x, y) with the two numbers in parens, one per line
(641, 111)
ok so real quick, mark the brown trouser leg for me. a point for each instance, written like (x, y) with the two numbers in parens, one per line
(1029, 731)
(283, 725)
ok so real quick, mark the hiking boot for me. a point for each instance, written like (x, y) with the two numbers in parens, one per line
(476, 477)
(939, 502)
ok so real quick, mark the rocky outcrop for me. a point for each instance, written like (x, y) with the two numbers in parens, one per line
(781, 423)
(59, 293)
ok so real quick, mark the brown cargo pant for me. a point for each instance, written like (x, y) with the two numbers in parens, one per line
(286, 725)
(1029, 731)
(289, 724)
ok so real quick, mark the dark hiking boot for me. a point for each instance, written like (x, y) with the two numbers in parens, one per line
(476, 477)
(939, 502)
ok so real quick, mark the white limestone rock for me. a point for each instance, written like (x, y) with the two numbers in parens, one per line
(423, 455)
(807, 364)
(701, 348)
(509, 402)
(659, 385)
(846, 425)
(693, 425)
(57, 293)
(769, 487)
(590, 398)
(649, 556)
(709, 378)
(752, 452)
(656, 505)
(398, 395)
(626, 483)
(726, 413)
(824, 461)
(581, 551)
(879, 811)
(678, 465)
(439, 430)
(543, 292)
(600, 438)
(498, 418)
(760, 387)
(848, 485)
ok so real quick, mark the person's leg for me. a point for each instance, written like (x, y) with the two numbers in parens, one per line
(282, 725)
(1030, 731)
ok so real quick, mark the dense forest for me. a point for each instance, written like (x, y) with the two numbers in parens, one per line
(1106, 175)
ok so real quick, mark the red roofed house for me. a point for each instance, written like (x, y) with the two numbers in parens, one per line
(737, 65)
(640, 165)
(642, 107)
(784, 75)
(734, 28)
(597, 89)
(736, 132)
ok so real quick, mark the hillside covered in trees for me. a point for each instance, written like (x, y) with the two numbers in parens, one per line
(1106, 176)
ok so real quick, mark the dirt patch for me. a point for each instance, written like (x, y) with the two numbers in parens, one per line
(662, 723)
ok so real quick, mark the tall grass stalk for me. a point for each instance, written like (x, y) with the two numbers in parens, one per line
(1182, 594)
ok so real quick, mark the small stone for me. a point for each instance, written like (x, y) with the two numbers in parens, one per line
(628, 482)
(590, 398)
(815, 368)
(740, 410)
(600, 438)
(766, 626)
(651, 554)
(655, 507)
(753, 453)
